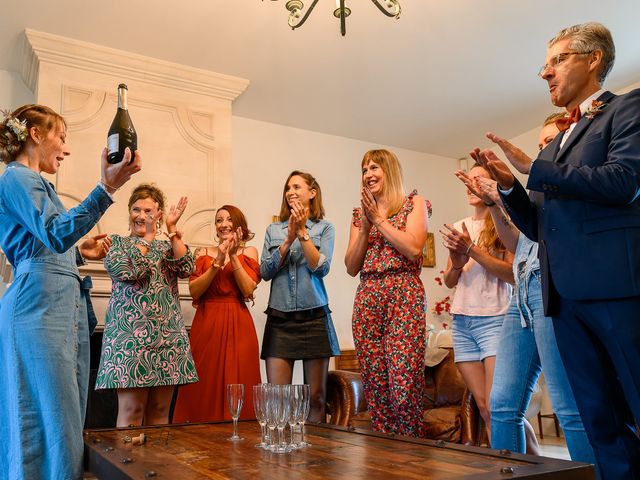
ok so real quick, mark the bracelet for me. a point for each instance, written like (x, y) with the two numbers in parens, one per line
(216, 265)
(106, 186)
(170, 235)
(456, 268)
(490, 204)
(237, 268)
(469, 248)
(380, 222)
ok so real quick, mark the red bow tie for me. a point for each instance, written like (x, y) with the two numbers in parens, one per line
(565, 122)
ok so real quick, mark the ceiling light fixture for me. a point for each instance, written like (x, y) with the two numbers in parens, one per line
(295, 8)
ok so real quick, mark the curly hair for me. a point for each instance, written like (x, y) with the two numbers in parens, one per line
(33, 115)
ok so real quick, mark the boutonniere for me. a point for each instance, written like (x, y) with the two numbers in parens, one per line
(596, 107)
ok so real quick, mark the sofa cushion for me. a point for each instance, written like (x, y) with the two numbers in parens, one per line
(443, 423)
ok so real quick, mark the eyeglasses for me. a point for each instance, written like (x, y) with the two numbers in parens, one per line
(558, 59)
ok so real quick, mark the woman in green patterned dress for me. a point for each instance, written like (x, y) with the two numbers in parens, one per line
(145, 348)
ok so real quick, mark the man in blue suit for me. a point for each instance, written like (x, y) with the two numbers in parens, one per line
(584, 210)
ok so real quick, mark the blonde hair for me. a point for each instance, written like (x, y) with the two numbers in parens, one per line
(392, 187)
(553, 118)
(316, 210)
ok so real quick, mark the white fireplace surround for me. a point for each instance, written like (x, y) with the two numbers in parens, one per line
(182, 116)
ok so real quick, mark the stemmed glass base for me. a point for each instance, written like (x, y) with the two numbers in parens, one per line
(303, 443)
(235, 437)
(235, 398)
(264, 438)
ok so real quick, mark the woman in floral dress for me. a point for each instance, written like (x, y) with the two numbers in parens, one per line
(385, 247)
(145, 348)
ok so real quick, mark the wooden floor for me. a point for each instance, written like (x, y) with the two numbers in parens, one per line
(203, 452)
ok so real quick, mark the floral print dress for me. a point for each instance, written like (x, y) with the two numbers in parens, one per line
(389, 331)
(145, 343)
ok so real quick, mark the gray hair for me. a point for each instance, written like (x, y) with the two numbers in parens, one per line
(587, 37)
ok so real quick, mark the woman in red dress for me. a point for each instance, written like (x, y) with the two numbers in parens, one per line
(223, 338)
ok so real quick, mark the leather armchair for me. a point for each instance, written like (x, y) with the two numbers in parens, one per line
(450, 413)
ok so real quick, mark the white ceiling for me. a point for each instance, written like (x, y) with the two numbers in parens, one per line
(433, 81)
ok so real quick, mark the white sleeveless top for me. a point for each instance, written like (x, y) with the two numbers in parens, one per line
(479, 293)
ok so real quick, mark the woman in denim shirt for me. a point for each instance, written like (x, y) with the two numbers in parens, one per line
(296, 257)
(527, 341)
(44, 325)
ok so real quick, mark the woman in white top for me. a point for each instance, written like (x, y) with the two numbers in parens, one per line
(480, 267)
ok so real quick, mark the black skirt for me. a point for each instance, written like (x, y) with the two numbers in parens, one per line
(299, 335)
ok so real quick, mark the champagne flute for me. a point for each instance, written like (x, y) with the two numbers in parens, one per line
(295, 402)
(272, 396)
(304, 413)
(260, 408)
(235, 397)
(282, 417)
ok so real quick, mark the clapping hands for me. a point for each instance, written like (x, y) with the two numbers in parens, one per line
(297, 219)
(496, 167)
(458, 243)
(175, 213)
(95, 248)
(229, 246)
(373, 214)
(484, 188)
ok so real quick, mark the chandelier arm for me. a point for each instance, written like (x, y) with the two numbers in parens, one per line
(304, 18)
(398, 10)
(343, 23)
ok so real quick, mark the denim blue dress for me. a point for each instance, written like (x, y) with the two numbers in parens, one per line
(44, 332)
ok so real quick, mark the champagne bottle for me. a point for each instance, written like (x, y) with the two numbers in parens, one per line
(121, 134)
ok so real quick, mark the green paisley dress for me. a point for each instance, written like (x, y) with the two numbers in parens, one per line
(145, 343)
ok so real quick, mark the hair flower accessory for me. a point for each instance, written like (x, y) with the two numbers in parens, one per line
(595, 108)
(18, 127)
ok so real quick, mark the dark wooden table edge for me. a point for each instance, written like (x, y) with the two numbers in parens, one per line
(571, 470)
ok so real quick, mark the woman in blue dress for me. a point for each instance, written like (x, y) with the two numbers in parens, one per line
(44, 331)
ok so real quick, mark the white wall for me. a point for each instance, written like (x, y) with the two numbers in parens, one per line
(263, 156)
(13, 91)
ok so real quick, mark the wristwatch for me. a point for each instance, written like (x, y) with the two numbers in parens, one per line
(303, 238)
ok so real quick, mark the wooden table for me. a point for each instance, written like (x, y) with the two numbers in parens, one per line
(202, 451)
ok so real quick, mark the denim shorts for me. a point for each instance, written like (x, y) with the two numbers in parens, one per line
(475, 338)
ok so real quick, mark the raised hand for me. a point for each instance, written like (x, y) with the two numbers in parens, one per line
(175, 212)
(234, 244)
(115, 175)
(300, 214)
(520, 160)
(488, 189)
(455, 240)
(223, 250)
(95, 248)
(496, 167)
(469, 183)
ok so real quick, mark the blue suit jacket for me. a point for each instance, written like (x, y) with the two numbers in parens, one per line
(584, 206)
